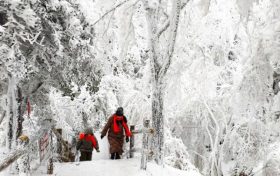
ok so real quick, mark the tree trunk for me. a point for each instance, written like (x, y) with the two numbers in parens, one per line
(15, 113)
(158, 122)
(158, 69)
(19, 99)
(11, 111)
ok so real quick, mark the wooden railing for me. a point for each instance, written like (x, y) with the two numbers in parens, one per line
(146, 151)
(45, 138)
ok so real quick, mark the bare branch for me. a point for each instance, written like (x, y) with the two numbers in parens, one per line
(111, 10)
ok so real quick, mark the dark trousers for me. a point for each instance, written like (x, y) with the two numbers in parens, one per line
(85, 156)
(115, 156)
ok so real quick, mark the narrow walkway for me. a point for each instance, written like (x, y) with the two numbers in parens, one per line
(101, 165)
(123, 167)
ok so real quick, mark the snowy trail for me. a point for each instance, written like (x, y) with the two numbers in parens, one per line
(101, 165)
(103, 146)
(123, 167)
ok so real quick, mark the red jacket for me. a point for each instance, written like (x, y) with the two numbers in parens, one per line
(90, 138)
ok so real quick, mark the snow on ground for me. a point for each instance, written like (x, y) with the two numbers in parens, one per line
(101, 165)
(106, 167)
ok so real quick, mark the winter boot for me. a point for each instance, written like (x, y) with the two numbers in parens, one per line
(113, 156)
(118, 156)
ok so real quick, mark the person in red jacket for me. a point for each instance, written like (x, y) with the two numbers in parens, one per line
(87, 142)
(116, 127)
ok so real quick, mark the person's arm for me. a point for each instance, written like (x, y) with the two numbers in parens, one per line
(107, 126)
(96, 145)
(124, 119)
(127, 131)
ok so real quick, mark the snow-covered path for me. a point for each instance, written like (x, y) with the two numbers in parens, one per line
(101, 165)
(123, 167)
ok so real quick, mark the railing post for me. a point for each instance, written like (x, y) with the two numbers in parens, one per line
(131, 145)
(59, 143)
(50, 162)
(145, 145)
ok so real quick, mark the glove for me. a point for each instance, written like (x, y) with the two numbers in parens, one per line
(101, 136)
(97, 150)
(127, 139)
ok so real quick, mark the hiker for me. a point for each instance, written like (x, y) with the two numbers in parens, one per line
(117, 126)
(87, 141)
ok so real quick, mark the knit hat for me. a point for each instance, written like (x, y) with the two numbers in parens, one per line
(88, 130)
(119, 111)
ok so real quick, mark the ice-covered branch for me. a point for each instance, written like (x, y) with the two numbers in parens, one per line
(176, 9)
(111, 10)
(165, 26)
(214, 159)
(13, 156)
(2, 117)
(36, 88)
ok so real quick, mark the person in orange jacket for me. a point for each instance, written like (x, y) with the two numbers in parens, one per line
(87, 142)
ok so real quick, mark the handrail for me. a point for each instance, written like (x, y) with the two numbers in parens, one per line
(145, 150)
(11, 158)
(17, 153)
(14, 155)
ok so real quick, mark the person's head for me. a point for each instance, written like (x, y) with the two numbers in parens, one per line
(88, 130)
(119, 111)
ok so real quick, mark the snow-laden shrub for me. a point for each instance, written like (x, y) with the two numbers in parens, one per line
(271, 165)
(246, 143)
(176, 154)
